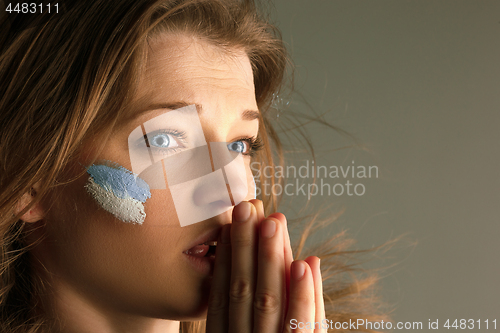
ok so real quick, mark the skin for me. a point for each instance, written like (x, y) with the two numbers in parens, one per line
(109, 276)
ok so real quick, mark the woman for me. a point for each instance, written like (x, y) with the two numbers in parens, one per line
(109, 111)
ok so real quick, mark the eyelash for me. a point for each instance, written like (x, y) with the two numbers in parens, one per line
(255, 144)
(180, 135)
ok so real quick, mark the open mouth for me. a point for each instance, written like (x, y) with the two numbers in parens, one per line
(206, 250)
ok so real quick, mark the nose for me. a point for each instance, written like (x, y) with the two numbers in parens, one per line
(204, 182)
(211, 192)
(233, 185)
(208, 191)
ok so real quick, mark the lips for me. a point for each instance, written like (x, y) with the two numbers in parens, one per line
(202, 250)
(200, 254)
(205, 245)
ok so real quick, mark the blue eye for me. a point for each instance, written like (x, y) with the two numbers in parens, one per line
(237, 146)
(248, 146)
(161, 140)
(165, 142)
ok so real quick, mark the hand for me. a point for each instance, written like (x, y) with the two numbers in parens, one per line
(257, 286)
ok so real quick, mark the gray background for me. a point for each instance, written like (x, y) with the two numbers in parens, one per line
(417, 83)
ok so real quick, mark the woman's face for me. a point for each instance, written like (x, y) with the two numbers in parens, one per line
(143, 269)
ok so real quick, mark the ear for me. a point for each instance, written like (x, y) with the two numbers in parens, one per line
(35, 212)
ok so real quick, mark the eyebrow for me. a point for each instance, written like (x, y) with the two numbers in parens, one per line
(247, 115)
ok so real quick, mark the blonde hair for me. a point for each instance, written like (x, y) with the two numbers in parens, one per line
(65, 78)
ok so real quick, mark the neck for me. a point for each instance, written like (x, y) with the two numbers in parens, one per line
(72, 313)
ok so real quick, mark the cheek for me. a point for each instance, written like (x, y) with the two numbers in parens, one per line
(129, 198)
(93, 251)
(160, 209)
(137, 268)
(118, 191)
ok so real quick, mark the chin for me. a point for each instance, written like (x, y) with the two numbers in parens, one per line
(194, 314)
(193, 307)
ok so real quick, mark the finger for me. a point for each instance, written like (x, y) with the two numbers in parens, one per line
(243, 267)
(314, 263)
(301, 304)
(259, 207)
(286, 238)
(287, 252)
(269, 294)
(218, 302)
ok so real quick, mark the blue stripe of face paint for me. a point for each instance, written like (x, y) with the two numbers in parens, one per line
(122, 182)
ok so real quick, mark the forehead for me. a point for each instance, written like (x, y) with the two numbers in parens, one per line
(181, 66)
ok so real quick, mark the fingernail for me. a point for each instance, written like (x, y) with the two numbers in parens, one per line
(242, 211)
(268, 228)
(225, 236)
(298, 270)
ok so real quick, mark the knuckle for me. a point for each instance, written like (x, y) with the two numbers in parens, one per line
(241, 241)
(305, 299)
(269, 255)
(240, 290)
(267, 303)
